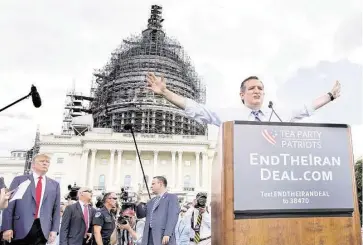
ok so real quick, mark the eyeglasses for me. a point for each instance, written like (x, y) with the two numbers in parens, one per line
(114, 198)
(89, 191)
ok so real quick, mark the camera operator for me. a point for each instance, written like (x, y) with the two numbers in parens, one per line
(124, 195)
(104, 221)
(199, 219)
(130, 229)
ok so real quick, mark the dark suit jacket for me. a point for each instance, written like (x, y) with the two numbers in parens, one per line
(73, 225)
(19, 215)
(165, 218)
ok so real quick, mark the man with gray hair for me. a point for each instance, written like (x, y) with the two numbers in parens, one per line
(76, 227)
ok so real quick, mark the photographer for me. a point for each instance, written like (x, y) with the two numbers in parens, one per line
(198, 217)
(130, 229)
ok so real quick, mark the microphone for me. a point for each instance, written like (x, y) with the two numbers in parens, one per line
(129, 127)
(37, 102)
(270, 105)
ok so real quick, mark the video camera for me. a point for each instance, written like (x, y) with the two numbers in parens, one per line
(73, 192)
(133, 209)
(201, 200)
(123, 220)
(124, 195)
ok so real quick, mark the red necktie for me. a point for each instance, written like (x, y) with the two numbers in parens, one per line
(38, 196)
(85, 214)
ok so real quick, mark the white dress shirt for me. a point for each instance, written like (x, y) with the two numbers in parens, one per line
(35, 176)
(205, 227)
(203, 114)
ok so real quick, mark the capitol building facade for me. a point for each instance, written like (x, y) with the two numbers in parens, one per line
(107, 161)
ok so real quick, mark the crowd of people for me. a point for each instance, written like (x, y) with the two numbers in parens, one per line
(39, 217)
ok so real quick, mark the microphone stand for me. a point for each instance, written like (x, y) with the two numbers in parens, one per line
(276, 114)
(129, 127)
(273, 111)
(25, 97)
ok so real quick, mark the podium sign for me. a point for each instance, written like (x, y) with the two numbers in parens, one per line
(292, 169)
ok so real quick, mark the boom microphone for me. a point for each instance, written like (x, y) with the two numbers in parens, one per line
(129, 127)
(37, 102)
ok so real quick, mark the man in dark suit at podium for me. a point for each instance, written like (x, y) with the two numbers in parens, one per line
(252, 108)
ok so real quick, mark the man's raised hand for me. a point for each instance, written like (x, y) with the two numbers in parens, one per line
(156, 84)
(336, 90)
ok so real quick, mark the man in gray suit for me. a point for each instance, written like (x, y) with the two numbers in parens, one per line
(76, 227)
(35, 218)
(161, 215)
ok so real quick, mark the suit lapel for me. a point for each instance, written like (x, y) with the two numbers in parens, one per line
(79, 208)
(32, 185)
(47, 188)
(161, 200)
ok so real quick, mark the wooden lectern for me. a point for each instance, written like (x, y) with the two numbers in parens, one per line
(262, 219)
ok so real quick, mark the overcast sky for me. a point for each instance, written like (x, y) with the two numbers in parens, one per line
(298, 48)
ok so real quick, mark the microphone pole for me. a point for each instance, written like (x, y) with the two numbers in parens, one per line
(23, 98)
(129, 127)
(270, 105)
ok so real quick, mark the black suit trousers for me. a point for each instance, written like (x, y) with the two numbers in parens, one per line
(34, 237)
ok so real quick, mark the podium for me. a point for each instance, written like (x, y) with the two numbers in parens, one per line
(284, 184)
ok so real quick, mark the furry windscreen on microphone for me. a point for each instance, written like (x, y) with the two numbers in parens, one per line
(37, 102)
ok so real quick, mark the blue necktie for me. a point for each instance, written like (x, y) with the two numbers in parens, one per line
(157, 200)
(256, 113)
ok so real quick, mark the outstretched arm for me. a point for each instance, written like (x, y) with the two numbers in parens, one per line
(326, 98)
(192, 109)
(319, 102)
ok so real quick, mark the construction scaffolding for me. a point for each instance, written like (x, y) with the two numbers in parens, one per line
(120, 94)
(75, 110)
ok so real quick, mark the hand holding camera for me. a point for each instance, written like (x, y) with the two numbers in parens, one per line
(124, 226)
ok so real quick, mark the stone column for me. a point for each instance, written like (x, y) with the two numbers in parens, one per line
(180, 173)
(155, 166)
(91, 172)
(173, 170)
(84, 170)
(197, 170)
(110, 170)
(118, 172)
(205, 175)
